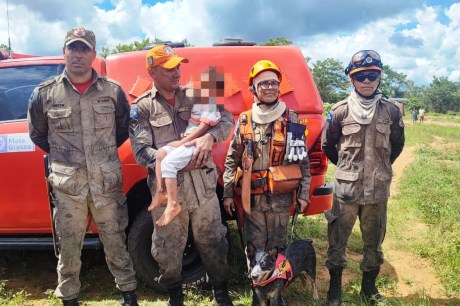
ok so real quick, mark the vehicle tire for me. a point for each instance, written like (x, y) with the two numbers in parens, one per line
(139, 247)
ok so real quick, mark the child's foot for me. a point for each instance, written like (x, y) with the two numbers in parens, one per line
(170, 212)
(159, 198)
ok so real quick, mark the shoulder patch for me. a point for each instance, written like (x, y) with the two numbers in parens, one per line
(338, 104)
(133, 113)
(329, 116)
(401, 122)
(46, 83)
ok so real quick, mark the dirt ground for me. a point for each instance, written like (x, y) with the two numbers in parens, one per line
(35, 271)
(414, 274)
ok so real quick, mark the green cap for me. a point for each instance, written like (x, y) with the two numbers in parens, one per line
(81, 34)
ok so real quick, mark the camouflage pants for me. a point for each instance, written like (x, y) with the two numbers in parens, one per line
(341, 219)
(70, 217)
(168, 243)
(266, 229)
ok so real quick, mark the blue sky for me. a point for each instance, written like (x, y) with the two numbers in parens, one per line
(416, 37)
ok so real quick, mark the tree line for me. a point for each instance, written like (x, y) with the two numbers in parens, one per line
(440, 96)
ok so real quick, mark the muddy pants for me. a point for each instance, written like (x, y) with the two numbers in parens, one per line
(266, 229)
(168, 243)
(70, 217)
(342, 217)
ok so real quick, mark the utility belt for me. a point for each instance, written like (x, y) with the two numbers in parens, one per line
(276, 180)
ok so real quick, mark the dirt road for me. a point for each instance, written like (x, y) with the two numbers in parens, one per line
(414, 274)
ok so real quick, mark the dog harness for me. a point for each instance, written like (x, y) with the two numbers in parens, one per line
(283, 269)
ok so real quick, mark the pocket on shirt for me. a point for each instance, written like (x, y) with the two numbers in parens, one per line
(112, 179)
(60, 120)
(63, 178)
(382, 185)
(185, 113)
(346, 185)
(209, 178)
(104, 115)
(351, 135)
(383, 128)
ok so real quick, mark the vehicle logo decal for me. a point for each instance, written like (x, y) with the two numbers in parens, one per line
(20, 142)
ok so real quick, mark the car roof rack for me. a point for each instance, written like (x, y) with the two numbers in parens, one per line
(167, 42)
(233, 42)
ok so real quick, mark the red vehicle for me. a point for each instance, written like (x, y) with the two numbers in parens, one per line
(24, 208)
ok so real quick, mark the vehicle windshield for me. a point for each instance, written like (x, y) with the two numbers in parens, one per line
(16, 86)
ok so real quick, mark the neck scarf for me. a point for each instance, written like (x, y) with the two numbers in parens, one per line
(265, 113)
(362, 109)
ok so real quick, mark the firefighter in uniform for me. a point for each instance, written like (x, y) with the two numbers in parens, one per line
(80, 118)
(363, 137)
(158, 117)
(267, 214)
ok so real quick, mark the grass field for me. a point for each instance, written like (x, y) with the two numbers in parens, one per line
(429, 193)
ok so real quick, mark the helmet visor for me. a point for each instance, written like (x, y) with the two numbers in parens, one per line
(365, 57)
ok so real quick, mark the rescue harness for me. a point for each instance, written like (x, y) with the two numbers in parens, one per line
(259, 182)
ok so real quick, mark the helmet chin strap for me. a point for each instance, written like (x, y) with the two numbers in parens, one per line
(254, 91)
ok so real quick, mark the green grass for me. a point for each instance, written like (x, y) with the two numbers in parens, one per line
(430, 189)
(449, 117)
(429, 194)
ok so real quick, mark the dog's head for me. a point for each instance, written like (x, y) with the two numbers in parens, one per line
(260, 264)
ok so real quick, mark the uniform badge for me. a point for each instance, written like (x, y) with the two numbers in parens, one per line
(133, 113)
(168, 50)
(150, 60)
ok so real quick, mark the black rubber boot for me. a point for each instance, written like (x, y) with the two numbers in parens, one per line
(334, 295)
(176, 296)
(368, 290)
(221, 295)
(72, 302)
(129, 298)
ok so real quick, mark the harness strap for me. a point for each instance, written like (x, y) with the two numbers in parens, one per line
(278, 140)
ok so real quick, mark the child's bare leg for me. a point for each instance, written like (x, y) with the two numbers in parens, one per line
(160, 195)
(172, 208)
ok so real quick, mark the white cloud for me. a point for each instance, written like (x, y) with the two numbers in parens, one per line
(322, 28)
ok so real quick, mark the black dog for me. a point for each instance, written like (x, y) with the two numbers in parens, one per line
(270, 273)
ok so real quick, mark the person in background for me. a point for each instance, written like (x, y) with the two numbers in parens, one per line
(80, 118)
(363, 138)
(414, 116)
(158, 118)
(421, 115)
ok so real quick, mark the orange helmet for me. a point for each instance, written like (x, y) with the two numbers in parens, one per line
(261, 66)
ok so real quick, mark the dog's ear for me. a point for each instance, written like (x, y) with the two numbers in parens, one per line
(273, 253)
(250, 250)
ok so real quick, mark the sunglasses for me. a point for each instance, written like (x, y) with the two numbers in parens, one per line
(365, 57)
(268, 84)
(361, 76)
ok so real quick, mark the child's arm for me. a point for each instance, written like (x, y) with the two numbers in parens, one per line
(197, 132)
